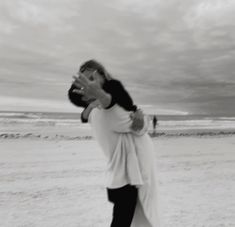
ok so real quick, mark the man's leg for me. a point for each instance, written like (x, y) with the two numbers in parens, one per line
(124, 200)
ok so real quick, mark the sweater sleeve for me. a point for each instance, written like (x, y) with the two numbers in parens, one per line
(119, 95)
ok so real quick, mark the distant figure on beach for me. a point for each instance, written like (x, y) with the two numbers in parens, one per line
(121, 130)
(154, 123)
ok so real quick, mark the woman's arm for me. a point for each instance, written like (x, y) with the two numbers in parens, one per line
(119, 95)
(122, 121)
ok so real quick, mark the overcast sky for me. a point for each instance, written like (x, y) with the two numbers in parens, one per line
(177, 56)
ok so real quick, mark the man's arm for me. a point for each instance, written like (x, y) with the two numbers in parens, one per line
(121, 121)
(86, 112)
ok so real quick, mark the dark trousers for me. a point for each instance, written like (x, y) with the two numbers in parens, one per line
(124, 200)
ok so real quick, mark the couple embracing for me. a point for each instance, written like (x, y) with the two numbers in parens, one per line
(121, 131)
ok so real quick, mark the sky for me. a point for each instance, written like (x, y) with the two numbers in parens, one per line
(174, 56)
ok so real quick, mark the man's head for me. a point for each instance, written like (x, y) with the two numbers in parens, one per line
(77, 99)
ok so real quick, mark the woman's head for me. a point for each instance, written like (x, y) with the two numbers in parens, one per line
(89, 67)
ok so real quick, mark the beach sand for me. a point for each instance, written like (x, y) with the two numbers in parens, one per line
(59, 182)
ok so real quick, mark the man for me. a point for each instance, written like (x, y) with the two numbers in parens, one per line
(127, 148)
(154, 124)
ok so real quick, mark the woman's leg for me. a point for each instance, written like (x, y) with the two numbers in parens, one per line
(124, 200)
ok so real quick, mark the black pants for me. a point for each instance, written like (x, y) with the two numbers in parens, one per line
(124, 200)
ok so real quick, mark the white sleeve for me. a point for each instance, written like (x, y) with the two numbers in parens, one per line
(120, 121)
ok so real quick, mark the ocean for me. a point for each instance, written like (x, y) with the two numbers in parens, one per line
(165, 122)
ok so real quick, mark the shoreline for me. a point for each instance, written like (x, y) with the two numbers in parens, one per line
(158, 134)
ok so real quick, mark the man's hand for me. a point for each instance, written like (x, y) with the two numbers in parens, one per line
(137, 120)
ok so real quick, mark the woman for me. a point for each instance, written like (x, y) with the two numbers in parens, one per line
(115, 93)
(131, 183)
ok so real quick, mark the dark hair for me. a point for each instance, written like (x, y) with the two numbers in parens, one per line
(75, 98)
(92, 64)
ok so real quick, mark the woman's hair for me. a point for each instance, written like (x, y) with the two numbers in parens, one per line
(93, 64)
(77, 99)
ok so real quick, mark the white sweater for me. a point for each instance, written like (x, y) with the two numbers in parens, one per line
(130, 160)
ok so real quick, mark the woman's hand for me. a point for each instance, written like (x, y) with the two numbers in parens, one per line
(87, 87)
(92, 89)
(137, 120)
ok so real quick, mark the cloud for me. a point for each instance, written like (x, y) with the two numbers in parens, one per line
(172, 54)
(152, 109)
